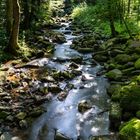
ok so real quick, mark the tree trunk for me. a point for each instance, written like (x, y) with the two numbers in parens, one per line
(111, 18)
(13, 41)
(9, 16)
(128, 10)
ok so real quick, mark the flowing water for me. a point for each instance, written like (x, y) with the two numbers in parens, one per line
(63, 117)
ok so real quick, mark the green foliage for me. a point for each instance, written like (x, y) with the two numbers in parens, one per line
(130, 130)
(96, 17)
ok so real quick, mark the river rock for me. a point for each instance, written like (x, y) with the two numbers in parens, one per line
(74, 65)
(84, 105)
(21, 115)
(54, 88)
(60, 136)
(114, 74)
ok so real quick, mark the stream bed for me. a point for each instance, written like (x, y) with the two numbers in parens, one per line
(83, 114)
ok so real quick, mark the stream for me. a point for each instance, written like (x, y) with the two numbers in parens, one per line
(63, 120)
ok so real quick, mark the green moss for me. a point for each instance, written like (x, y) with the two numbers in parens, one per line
(130, 97)
(122, 58)
(130, 130)
(114, 74)
(137, 64)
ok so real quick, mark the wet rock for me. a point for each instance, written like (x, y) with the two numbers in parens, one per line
(84, 105)
(114, 74)
(115, 116)
(21, 115)
(73, 65)
(54, 88)
(59, 136)
(62, 96)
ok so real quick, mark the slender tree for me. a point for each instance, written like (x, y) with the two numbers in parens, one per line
(13, 45)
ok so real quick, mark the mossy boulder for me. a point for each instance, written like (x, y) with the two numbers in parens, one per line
(114, 74)
(137, 64)
(130, 98)
(130, 130)
(122, 58)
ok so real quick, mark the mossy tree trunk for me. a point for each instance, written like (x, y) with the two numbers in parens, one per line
(13, 45)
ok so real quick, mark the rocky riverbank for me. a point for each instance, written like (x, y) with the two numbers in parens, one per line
(120, 57)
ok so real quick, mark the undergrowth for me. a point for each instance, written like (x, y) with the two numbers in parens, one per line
(94, 17)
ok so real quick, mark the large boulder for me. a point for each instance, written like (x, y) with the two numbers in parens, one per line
(114, 74)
